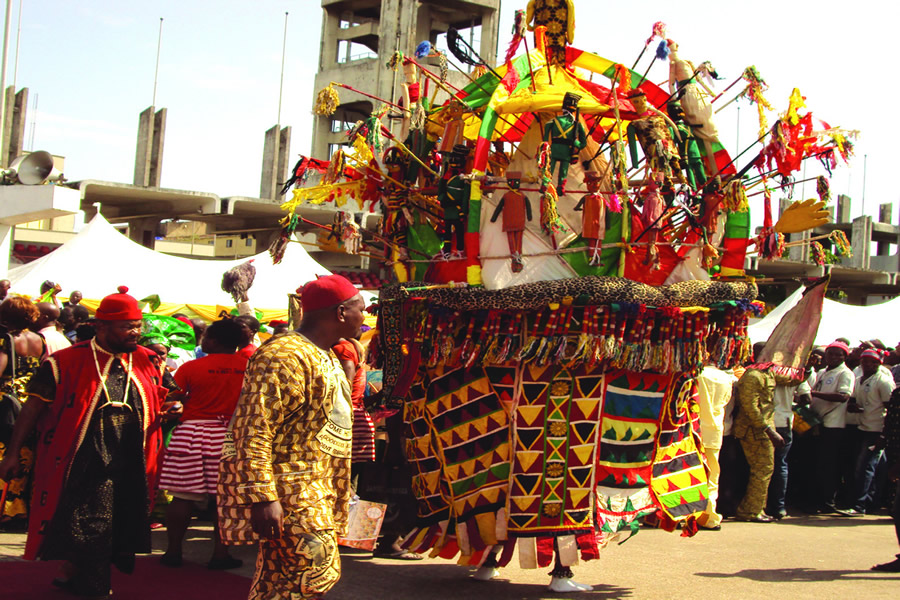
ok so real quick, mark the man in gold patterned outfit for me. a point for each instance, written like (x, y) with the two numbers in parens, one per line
(287, 476)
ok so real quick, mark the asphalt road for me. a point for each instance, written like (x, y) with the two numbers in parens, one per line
(799, 557)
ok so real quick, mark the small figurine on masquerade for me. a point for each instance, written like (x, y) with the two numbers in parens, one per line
(558, 16)
(453, 195)
(688, 148)
(516, 210)
(651, 129)
(593, 216)
(410, 99)
(654, 206)
(687, 85)
(453, 127)
(566, 137)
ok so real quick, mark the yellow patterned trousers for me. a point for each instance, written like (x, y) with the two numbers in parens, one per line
(760, 455)
(297, 566)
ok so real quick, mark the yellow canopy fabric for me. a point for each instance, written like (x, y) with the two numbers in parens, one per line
(548, 97)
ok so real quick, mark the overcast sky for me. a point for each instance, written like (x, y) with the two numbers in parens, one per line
(89, 66)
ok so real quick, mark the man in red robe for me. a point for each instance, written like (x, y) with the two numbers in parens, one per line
(96, 407)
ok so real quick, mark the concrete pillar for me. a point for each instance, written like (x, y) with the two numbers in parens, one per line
(14, 128)
(860, 238)
(843, 209)
(885, 214)
(490, 26)
(151, 136)
(275, 162)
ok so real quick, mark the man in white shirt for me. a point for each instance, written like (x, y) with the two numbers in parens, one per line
(872, 393)
(46, 327)
(714, 392)
(829, 397)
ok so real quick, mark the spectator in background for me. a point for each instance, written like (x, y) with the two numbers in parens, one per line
(47, 328)
(249, 329)
(871, 394)
(86, 331)
(48, 293)
(279, 327)
(4, 289)
(890, 441)
(20, 353)
(210, 389)
(199, 326)
(714, 389)
(351, 353)
(829, 397)
(74, 299)
(80, 315)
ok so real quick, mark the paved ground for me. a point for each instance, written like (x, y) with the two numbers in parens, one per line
(800, 557)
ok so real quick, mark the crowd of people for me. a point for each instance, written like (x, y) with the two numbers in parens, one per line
(272, 440)
(105, 416)
(827, 443)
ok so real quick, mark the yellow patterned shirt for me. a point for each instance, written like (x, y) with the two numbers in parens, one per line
(290, 439)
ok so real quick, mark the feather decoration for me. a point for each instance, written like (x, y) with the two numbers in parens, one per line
(423, 49)
(662, 51)
(659, 30)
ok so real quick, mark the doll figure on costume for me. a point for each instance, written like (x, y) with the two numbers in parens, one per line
(516, 209)
(688, 148)
(651, 129)
(453, 195)
(566, 136)
(410, 100)
(652, 210)
(593, 206)
(687, 85)
(454, 127)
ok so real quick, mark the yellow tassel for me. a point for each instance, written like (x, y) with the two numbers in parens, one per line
(327, 101)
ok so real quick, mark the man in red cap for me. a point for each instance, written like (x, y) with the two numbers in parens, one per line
(96, 409)
(286, 482)
(832, 390)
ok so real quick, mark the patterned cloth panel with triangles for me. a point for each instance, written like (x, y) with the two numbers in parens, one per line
(632, 403)
(427, 483)
(679, 479)
(557, 419)
(470, 438)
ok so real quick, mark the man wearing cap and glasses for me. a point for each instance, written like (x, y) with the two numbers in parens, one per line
(292, 429)
(96, 407)
(829, 397)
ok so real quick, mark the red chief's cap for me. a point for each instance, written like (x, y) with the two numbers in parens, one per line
(326, 291)
(119, 307)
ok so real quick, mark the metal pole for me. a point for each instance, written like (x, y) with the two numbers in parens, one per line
(3, 79)
(156, 72)
(18, 35)
(33, 122)
(281, 83)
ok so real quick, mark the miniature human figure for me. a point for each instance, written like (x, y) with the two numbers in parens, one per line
(653, 208)
(698, 111)
(566, 136)
(651, 131)
(688, 148)
(558, 16)
(453, 194)
(410, 88)
(516, 210)
(453, 128)
(593, 216)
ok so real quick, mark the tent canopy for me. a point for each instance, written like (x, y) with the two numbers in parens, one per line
(856, 323)
(99, 259)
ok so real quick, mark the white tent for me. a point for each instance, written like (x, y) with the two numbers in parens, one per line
(99, 259)
(856, 323)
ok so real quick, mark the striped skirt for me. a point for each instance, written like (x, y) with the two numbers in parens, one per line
(191, 462)
(363, 436)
